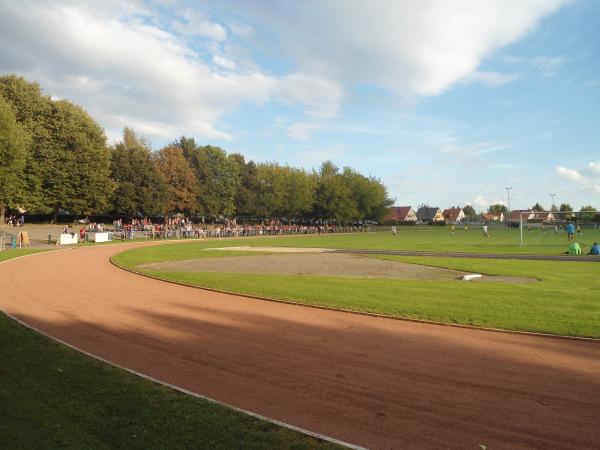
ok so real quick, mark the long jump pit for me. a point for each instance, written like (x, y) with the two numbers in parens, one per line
(321, 262)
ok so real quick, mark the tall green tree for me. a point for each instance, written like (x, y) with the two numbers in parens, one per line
(140, 186)
(537, 207)
(497, 208)
(299, 193)
(217, 176)
(588, 208)
(470, 213)
(182, 186)
(565, 208)
(271, 194)
(246, 195)
(334, 196)
(12, 158)
(369, 195)
(69, 164)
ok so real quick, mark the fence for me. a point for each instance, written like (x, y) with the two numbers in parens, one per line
(182, 233)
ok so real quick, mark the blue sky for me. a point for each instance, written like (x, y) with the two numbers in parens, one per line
(446, 102)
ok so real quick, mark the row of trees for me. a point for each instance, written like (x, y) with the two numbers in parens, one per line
(54, 156)
(563, 208)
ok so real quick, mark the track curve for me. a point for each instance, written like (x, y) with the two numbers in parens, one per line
(374, 382)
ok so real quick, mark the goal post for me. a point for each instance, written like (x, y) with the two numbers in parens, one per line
(554, 223)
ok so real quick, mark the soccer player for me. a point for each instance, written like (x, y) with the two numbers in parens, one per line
(570, 231)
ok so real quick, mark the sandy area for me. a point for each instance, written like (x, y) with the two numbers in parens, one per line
(247, 248)
(323, 264)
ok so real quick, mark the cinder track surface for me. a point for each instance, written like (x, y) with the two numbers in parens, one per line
(374, 382)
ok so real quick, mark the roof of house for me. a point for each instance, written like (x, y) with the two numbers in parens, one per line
(399, 212)
(515, 214)
(451, 214)
(492, 216)
(427, 212)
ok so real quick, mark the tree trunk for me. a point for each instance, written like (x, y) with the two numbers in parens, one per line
(55, 214)
(2, 213)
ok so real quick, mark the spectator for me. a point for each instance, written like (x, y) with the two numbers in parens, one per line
(595, 250)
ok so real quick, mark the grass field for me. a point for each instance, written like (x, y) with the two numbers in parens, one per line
(564, 302)
(14, 253)
(438, 239)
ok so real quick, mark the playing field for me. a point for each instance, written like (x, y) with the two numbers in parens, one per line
(371, 381)
(562, 300)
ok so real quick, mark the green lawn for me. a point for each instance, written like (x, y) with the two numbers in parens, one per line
(564, 302)
(438, 239)
(14, 253)
(53, 397)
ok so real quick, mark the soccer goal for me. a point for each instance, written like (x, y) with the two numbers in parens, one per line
(544, 227)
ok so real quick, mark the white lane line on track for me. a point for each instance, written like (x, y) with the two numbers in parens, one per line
(193, 394)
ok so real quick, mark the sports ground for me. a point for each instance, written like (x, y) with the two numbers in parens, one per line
(370, 380)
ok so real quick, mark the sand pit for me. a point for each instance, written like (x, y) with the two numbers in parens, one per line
(317, 263)
(247, 248)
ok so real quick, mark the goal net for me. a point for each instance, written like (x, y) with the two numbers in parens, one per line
(546, 227)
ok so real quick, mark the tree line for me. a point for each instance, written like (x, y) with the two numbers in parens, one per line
(54, 157)
(563, 208)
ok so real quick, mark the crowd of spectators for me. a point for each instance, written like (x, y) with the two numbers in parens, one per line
(183, 227)
(14, 221)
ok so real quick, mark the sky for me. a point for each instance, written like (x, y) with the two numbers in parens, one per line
(446, 102)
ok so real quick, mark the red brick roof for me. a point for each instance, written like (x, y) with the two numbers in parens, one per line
(398, 212)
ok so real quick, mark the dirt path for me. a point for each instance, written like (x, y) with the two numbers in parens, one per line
(374, 382)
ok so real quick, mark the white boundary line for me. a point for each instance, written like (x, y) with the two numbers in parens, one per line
(185, 391)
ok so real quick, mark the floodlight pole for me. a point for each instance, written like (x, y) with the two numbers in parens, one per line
(552, 195)
(508, 188)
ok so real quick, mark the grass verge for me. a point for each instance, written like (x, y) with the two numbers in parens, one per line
(55, 397)
(5, 255)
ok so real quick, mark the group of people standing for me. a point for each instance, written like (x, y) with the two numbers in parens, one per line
(14, 221)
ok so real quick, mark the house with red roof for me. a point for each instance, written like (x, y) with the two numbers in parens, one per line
(401, 214)
(453, 215)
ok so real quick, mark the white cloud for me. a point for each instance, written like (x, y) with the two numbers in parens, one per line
(303, 131)
(547, 65)
(593, 189)
(410, 48)
(119, 60)
(194, 23)
(223, 62)
(491, 78)
(321, 97)
(588, 178)
(129, 72)
(593, 169)
(453, 146)
(569, 174)
(483, 203)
